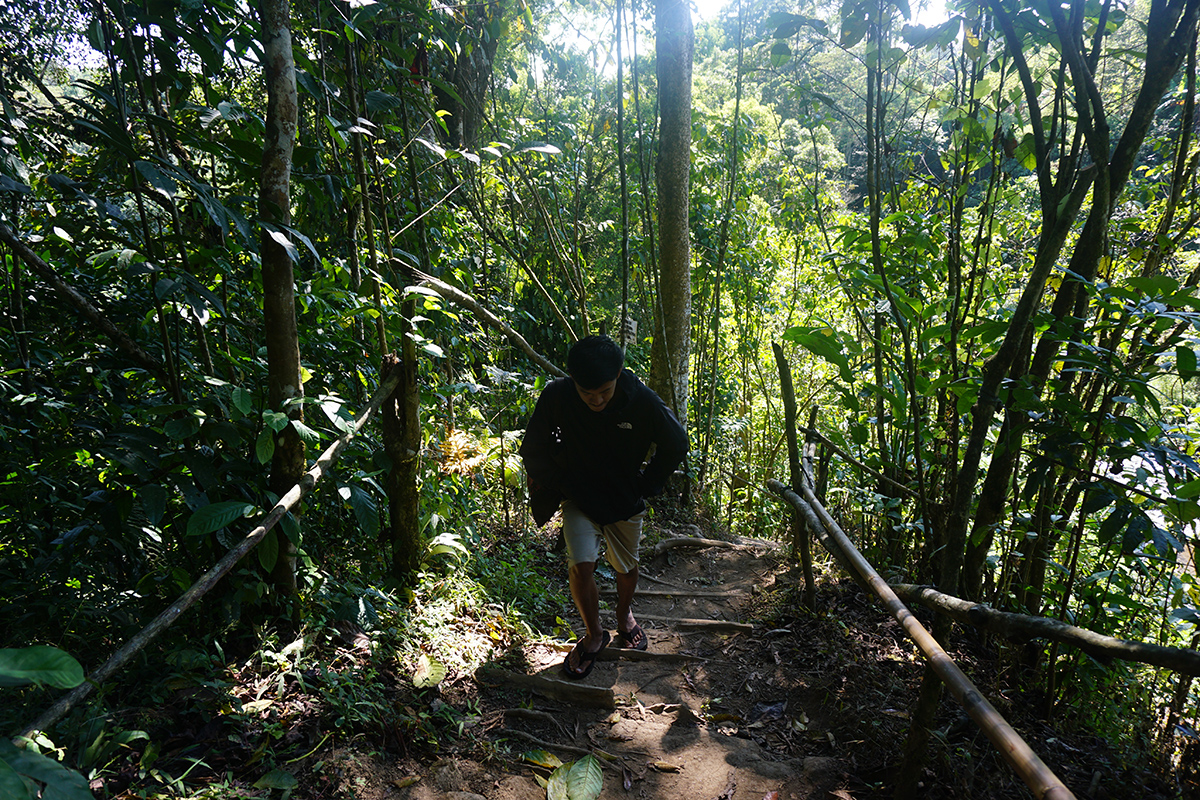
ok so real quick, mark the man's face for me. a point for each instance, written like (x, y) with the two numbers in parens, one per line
(597, 398)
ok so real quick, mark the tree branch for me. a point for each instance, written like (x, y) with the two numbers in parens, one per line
(1023, 626)
(81, 303)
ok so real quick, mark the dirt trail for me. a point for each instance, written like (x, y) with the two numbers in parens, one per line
(703, 717)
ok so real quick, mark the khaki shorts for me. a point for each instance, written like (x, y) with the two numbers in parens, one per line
(583, 539)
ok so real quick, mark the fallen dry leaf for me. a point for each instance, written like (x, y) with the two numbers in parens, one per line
(665, 766)
(404, 783)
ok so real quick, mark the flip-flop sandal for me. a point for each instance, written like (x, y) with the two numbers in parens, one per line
(634, 639)
(586, 661)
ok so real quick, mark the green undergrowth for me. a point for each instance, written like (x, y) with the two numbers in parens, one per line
(258, 712)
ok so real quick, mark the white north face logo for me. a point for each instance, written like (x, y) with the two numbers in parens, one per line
(625, 426)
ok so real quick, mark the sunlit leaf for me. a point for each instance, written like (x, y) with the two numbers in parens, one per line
(585, 781)
(556, 784)
(542, 758)
(780, 54)
(537, 147)
(821, 342)
(429, 672)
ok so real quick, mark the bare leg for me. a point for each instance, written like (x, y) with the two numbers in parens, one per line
(587, 602)
(626, 588)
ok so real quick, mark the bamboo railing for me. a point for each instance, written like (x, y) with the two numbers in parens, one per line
(1044, 784)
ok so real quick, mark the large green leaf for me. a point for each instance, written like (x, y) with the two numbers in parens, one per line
(585, 780)
(556, 785)
(366, 512)
(429, 672)
(12, 785)
(39, 664)
(264, 448)
(217, 515)
(60, 782)
(268, 551)
(821, 342)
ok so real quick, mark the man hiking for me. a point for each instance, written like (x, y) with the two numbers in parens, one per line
(585, 450)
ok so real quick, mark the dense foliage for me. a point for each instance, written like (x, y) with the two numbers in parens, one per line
(976, 239)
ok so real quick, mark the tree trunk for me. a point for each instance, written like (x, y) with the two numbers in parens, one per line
(279, 303)
(401, 440)
(672, 316)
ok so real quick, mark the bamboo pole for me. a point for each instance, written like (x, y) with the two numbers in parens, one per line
(207, 581)
(1044, 784)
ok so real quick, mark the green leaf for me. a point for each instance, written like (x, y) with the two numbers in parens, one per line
(180, 429)
(11, 784)
(276, 779)
(366, 512)
(215, 516)
(264, 448)
(823, 343)
(275, 420)
(153, 176)
(154, 502)
(1095, 500)
(780, 54)
(1185, 361)
(429, 672)
(243, 400)
(268, 551)
(1113, 524)
(585, 780)
(40, 664)
(306, 434)
(556, 785)
(542, 758)
(61, 783)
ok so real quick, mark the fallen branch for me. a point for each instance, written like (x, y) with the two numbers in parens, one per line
(578, 693)
(1024, 626)
(210, 578)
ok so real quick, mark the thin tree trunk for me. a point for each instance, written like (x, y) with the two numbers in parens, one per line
(284, 386)
(669, 354)
(801, 539)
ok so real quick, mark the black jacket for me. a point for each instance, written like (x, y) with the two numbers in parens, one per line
(595, 458)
